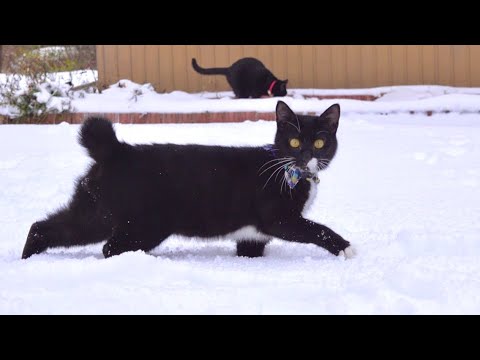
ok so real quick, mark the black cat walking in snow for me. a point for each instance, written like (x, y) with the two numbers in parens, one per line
(249, 78)
(135, 196)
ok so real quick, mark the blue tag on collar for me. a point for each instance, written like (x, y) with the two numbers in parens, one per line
(293, 176)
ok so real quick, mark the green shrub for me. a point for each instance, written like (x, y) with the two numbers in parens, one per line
(30, 91)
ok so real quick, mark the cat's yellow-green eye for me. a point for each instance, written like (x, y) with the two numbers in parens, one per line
(319, 143)
(294, 143)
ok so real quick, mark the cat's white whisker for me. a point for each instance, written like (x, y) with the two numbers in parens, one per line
(275, 164)
(280, 166)
(281, 184)
(278, 170)
(298, 123)
(296, 127)
(287, 164)
(269, 162)
(289, 186)
(273, 173)
(276, 159)
(322, 164)
(285, 180)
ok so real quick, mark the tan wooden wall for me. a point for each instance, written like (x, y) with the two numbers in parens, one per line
(168, 67)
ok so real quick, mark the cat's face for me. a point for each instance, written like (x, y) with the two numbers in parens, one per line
(309, 141)
(280, 88)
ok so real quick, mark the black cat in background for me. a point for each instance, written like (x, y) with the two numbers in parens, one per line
(249, 78)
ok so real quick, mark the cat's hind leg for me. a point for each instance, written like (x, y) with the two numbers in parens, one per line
(82, 222)
(135, 234)
(251, 248)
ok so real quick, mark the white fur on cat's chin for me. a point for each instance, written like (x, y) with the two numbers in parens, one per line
(312, 165)
(246, 233)
(348, 253)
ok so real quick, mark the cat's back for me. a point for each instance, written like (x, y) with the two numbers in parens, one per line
(193, 158)
(247, 62)
(182, 172)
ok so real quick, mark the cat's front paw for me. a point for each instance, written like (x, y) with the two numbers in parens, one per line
(348, 253)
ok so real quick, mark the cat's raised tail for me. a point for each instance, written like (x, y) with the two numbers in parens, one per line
(210, 71)
(98, 137)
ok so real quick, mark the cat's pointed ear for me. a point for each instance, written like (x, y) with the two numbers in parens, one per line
(330, 118)
(285, 114)
(285, 81)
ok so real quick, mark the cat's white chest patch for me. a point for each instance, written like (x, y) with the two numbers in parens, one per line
(312, 193)
(246, 233)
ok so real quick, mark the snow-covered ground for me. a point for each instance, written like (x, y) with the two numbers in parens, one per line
(135, 98)
(126, 96)
(404, 189)
(77, 77)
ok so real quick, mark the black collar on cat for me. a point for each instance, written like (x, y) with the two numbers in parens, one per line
(269, 92)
